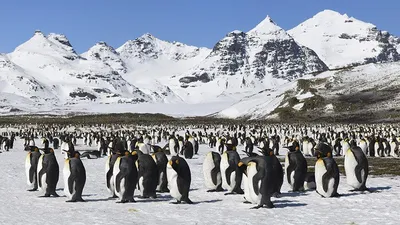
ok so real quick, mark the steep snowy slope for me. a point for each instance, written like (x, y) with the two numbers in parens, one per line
(148, 56)
(53, 61)
(342, 41)
(366, 92)
(264, 57)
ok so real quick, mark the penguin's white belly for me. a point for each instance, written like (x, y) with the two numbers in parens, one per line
(320, 170)
(111, 188)
(251, 171)
(233, 181)
(392, 147)
(122, 188)
(27, 168)
(140, 185)
(224, 165)
(363, 146)
(116, 170)
(350, 164)
(172, 177)
(160, 181)
(180, 145)
(67, 173)
(305, 148)
(208, 165)
(245, 182)
(43, 185)
(172, 147)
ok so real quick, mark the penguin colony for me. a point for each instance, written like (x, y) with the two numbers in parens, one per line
(134, 161)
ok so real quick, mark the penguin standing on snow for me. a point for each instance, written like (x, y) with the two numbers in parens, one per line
(260, 183)
(74, 177)
(148, 176)
(230, 171)
(277, 170)
(161, 160)
(31, 164)
(187, 150)
(115, 152)
(356, 167)
(326, 172)
(125, 176)
(295, 167)
(179, 179)
(48, 173)
(212, 172)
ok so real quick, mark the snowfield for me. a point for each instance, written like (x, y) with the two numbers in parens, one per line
(22, 207)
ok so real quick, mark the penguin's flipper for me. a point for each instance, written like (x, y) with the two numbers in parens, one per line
(357, 171)
(214, 173)
(31, 174)
(71, 180)
(228, 172)
(108, 176)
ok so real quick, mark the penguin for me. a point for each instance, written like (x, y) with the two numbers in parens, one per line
(277, 169)
(179, 179)
(356, 168)
(125, 176)
(147, 176)
(212, 172)
(48, 173)
(74, 178)
(326, 172)
(161, 160)
(260, 180)
(230, 171)
(173, 145)
(187, 150)
(31, 164)
(295, 167)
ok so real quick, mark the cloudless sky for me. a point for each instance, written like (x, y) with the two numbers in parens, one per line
(194, 22)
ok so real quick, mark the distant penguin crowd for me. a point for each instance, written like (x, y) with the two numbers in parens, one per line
(134, 160)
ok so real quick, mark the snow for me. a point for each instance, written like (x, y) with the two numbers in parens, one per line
(298, 106)
(268, 29)
(322, 33)
(23, 207)
(301, 96)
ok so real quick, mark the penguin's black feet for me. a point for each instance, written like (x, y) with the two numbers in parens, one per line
(33, 189)
(72, 200)
(188, 201)
(46, 195)
(230, 193)
(257, 207)
(269, 205)
(80, 200)
(55, 194)
(336, 195)
(177, 202)
(144, 197)
(246, 202)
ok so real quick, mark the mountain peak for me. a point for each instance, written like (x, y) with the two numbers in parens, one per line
(327, 13)
(268, 29)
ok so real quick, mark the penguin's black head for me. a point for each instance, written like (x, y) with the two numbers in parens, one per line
(242, 167)
(294, 147)
(323, 150)
(230, 147)
(77, 155)
(174, 162)
(266, 151)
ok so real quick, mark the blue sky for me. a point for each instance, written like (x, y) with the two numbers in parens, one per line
(194, 22)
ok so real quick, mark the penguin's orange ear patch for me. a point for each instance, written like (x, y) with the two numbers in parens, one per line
(297, 148)
(170, 162)
(177, 161)
(134, 153)
(271, 153)
(329, 154)
(240, 164)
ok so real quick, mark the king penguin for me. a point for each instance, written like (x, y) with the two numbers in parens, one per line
(230, 171)
(295, 167)
(161, 160)
(148, 176)
(115, 152)
(212, 172)
(48, 173)
(277, 170)
(31, 164)
(179, 179)
(356, 167)
(125, 176)
(74, 177)
(326, 172)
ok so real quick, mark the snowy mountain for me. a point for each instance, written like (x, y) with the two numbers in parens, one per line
(246, 62)
(343, 41)
(266, 72)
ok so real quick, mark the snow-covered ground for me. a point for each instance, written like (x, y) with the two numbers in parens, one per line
(22, 207)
